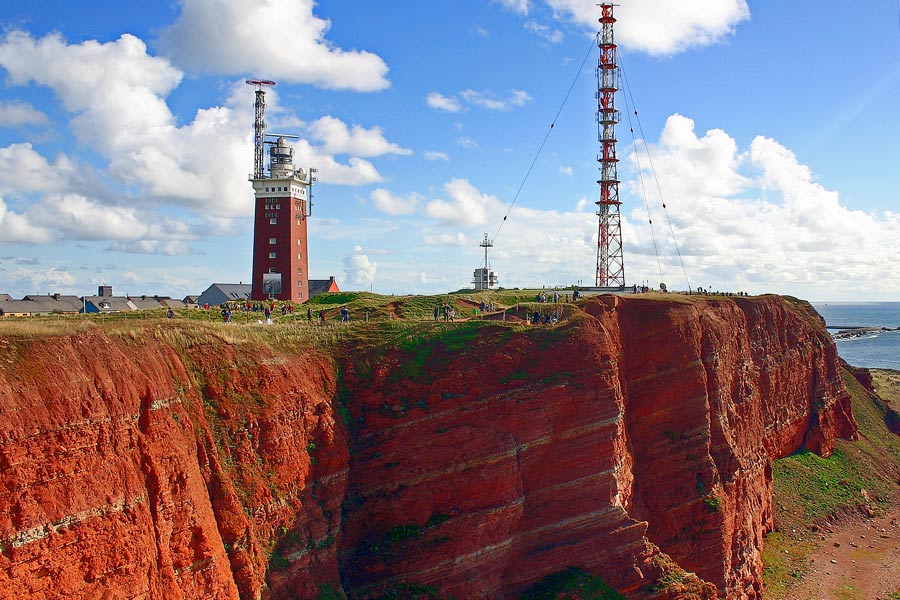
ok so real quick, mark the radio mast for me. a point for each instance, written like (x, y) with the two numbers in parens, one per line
(610, 262)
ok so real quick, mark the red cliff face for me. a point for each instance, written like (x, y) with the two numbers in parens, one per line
(130, 470)
(473, 459)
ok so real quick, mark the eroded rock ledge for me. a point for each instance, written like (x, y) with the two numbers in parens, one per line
(476, 459)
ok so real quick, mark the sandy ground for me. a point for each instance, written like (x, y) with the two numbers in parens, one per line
(860, 559)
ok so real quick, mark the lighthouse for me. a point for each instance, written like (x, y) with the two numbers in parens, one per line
(283, 203)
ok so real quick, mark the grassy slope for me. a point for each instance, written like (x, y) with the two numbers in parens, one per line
(809, 490)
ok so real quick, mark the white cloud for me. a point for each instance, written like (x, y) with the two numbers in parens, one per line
(490, 101)
(757, 220)
(446, 239)
(392, 204)
(234, 37)
(42, 279)
(441, 102)
(16, 228)
(23, 170)
(170, 248)
(435, 155)
(520, 7)
(466, 206)
(359, 269)
(565, 170)
(15, 112)
(117, 91)
(73, 216)
(337, 138)
(357, 171)
(467, 143)
(661, 26)
(551, 35)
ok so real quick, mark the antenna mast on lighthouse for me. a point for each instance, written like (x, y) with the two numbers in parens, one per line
(610, 262)
(259, 126)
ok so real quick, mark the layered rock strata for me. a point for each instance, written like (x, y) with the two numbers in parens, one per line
(472, 458)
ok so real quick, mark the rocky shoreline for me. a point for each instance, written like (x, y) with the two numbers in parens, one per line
(859, 332)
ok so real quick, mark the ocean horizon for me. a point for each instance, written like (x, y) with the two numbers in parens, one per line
(878, 350)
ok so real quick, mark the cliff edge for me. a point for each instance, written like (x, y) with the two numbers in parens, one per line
(632, 440)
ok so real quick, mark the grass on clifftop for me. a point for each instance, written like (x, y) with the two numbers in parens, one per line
(810, 490)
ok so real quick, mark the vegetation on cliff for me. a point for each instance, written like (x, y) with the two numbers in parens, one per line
(399, 457)
(813, 495)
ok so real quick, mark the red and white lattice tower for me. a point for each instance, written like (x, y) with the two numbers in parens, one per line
(610, 262)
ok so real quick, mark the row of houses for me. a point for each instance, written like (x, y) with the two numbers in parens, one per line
(103, 302)
(106, 302)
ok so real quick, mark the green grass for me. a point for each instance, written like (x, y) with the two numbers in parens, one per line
(809, 489)
(571, 584)
(395, 539)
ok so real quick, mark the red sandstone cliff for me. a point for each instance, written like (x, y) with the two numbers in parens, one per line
(477, 461)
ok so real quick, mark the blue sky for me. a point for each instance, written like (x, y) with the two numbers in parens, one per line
(126, 141)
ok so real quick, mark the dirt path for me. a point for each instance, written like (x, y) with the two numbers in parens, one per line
(859, 560)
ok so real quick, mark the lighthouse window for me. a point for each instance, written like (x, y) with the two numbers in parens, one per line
(273, 221)
(299, 242)
(272, 241)
(299, 256)
(300, 272)
(271, 255)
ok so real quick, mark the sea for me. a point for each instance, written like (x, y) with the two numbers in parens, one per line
(878, 350)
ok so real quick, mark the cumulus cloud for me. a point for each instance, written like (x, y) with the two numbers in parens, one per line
(758, 219)
(467, 143)
(117, 94)
(392, 204)
(661, 26)
(233, 37)
(337, 138)
(16, 112)
(16, 228)
(551, 35)
(115, 89)
(565, 170)
(75, 217)
(359, 269)
(441, 102)
(435, 155)
(466, 205)
(23, 170)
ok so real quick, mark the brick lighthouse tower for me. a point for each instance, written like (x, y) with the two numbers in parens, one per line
(283, 204)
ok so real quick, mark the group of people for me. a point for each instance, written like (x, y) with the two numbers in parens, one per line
(448, 312)
(542, 297)
(269, 308)
(548, 319)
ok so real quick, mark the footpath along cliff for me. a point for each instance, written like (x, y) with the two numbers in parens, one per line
(470, 460)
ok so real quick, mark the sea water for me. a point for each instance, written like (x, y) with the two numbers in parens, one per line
(878, 350)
